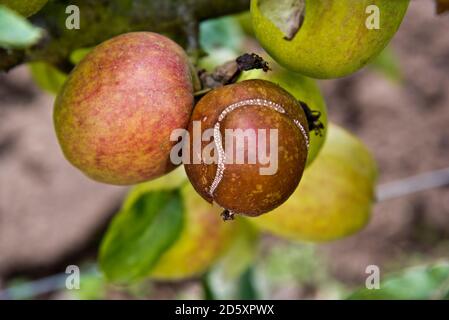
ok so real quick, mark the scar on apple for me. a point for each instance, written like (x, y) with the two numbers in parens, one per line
(287, 15)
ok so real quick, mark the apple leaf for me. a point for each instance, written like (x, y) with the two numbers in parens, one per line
(221, 33)
(442, 6)
(79, 54)
(287, 15)
(15, 31)
(418, 283)
(140, 233)
(47, 77)
(247, 286)
(388, 64)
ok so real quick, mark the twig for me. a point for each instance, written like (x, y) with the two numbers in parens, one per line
(32, 289)
(230, 71)
(102, 20)
(422, 182)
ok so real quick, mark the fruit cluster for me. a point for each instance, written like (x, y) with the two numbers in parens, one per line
(248, 137)
(116, 113)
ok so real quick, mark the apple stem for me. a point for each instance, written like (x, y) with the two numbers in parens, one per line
(230, 71)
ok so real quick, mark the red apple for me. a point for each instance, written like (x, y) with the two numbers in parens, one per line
(115, 113)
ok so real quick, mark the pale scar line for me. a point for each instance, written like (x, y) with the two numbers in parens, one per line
(218, 141)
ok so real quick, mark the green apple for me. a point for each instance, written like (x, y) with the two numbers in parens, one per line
(336, 37)
(303, 89)
(335, 197)
(24, 7)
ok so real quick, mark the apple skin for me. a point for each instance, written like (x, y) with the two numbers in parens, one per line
(333, 41)
(302, 88)
(115, 113)
(335, 197)
(24, 7)
(243, 190)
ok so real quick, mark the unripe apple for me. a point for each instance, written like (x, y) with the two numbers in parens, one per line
(334, 38)
(335, 197)
(203, 240)
(24, 7)
(260, 139)
(116, 112)
(303, 89)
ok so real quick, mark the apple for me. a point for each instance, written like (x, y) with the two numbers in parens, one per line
(116, 111)
(326, 38)
(335, 197)
(302, 88)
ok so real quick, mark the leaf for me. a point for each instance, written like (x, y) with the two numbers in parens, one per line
(15, 31)
(79, 54)
(425, 282)
(208, 292)
(247, 288)
(47, 77)
(221, 33)
(287, 15)
(442, 6)
(140, 233)
(387, 63)
(93, 287)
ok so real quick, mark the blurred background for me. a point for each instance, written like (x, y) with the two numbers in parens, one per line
(52, 216)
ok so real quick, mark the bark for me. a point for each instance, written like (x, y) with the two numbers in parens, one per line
(103, 19)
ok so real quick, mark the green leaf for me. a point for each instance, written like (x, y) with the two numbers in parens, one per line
(221, 33)
(247, 289)
(286, 15)
(93, 287)
(387, 63)
(208, 292)
(47, 77)
(79, 54)
(140, 233)
(425, 282)
(15, 31)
